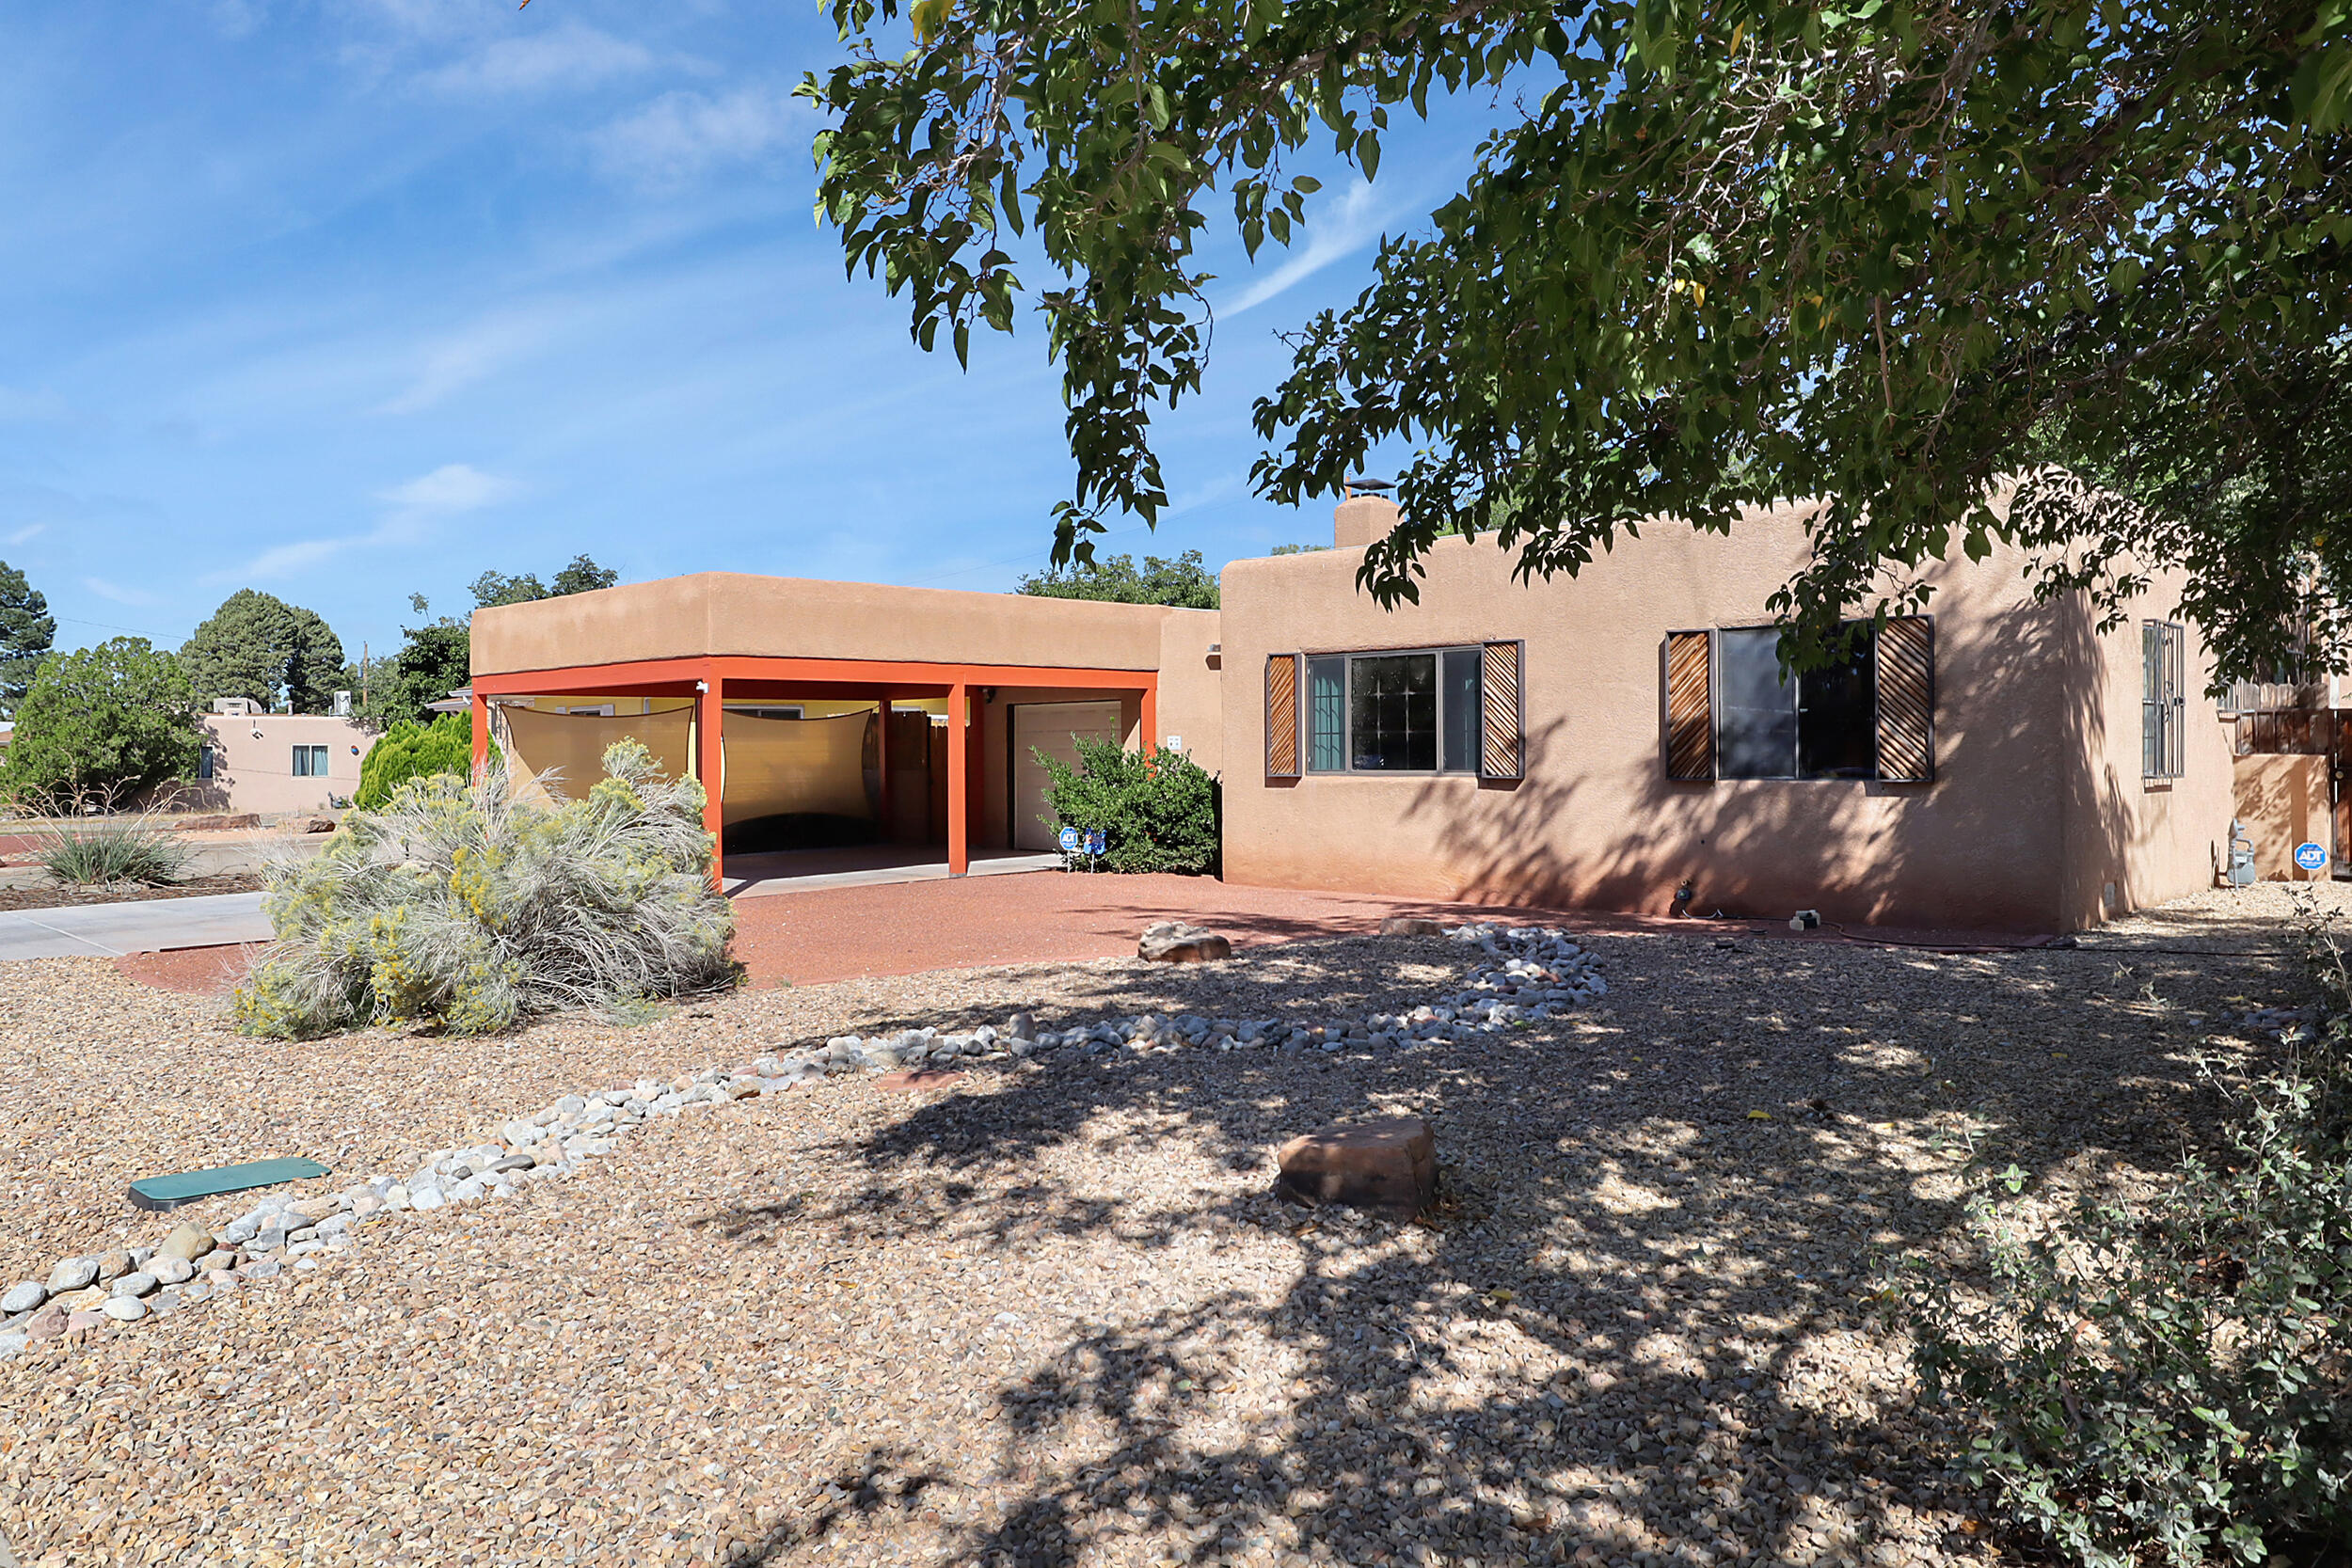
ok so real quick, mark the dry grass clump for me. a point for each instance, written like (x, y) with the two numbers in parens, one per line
(458, 904)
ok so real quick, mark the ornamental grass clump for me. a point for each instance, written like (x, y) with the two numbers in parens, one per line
(2171, 1382)
(462, 906)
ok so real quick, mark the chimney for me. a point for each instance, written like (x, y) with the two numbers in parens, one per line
(1360, 519)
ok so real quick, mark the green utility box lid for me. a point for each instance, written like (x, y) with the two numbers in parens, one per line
(169, 1191)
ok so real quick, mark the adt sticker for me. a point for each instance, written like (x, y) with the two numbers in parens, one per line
(2311, 857)
(1094, 842)
(1070, 841)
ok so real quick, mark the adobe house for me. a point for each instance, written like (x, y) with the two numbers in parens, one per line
(275, 762)
(1618, 741)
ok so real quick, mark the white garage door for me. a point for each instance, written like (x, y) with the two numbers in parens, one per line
(1051, 728)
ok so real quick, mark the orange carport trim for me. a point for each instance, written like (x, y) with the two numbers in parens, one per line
(739, 668)
(708, 679)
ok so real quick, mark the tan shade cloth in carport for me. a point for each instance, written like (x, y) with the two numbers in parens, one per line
(575, 743)
(777, 766)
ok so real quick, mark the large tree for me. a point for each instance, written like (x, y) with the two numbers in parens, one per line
(28, 632)
(101, 726)
(257, 646)
(1185, 582)
(1878, 252)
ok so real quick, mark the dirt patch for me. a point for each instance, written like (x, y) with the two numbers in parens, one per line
(52, 896)
(200, 971)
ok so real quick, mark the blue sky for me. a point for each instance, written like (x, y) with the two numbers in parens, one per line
(347, 299)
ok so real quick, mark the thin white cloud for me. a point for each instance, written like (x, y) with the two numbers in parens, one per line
(569, 55)
(17, 403)
(450, 488)
(681, 134)
(1343, 226)
(412, 507)
(118, 593)
(27, 533)
(474, 353)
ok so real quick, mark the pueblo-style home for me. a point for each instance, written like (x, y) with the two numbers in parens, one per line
(1619, 741)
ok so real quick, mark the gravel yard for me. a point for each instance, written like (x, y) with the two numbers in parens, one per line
(1050, 1314)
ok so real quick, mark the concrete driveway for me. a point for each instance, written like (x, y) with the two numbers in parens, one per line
(110, 930)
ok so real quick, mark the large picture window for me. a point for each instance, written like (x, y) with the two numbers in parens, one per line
(1415, 712)
(1819, 724)
(2163, 702)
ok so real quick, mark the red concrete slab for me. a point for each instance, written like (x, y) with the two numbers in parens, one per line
(848, 933)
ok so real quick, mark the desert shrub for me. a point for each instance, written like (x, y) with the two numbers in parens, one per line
(412, 751)
(1156, 813)
(131, 850)
(460, 905)
(2167, 1382)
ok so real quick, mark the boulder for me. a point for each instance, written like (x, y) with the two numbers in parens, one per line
(319, 825)
(1174, 942)
(1410, 925)
(1390, 1164)
(187, 1241)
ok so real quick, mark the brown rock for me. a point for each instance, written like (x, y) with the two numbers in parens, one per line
(47, 1323)
(1390, 1164)
(1173, 942)
(187, 1241)
(112, 1265)
(82, 1325)
(319, 825)
(1410, 925)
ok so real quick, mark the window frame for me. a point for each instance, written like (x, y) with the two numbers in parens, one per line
(1716, 683)
(312, 762)
(2163, 713)
(1436, 653)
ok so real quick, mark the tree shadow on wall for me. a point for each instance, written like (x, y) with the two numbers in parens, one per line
(2022, 802)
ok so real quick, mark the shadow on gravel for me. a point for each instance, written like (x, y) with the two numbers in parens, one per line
(1639, 1327)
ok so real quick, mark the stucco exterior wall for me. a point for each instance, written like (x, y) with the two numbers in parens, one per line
(2284, 802)
(252, 774)
(730, 612)
(1597, 823)
(1192, 686)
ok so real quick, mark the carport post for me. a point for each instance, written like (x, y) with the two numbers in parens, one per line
(481, 734)
(710, 764)
(882, 759)
(959, 780)
(1150, 720)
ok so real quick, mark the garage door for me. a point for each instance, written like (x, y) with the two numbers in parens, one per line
(1051, 728)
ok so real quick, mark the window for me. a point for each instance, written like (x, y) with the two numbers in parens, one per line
(204, 763)
(1395, 712)
(309, 762)
(1823, 724)
(2163, 703)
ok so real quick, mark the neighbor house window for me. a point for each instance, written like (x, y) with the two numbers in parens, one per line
(204, 763)
(1819, 724)
(2163, 703)
(1395, 712)
(309, 762)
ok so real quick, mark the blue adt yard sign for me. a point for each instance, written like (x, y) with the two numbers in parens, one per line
(1070, 841)
(2312, 857)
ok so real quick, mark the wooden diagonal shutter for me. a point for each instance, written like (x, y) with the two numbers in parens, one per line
(1906, 672)
(1503, 743)
(1690, 706)
(1282, 716)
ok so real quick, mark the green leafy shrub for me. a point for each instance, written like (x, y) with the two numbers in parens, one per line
(102, 726)
(130, 850)
(412, 751)
(459, 905)
(1156, 813)
(2167, 1381)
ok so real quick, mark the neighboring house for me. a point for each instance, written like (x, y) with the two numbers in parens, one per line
(269, 762)
(1619, 741)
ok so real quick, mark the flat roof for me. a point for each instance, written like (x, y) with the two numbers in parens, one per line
(737, 613)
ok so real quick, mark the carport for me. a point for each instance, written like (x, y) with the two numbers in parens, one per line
(708, 644)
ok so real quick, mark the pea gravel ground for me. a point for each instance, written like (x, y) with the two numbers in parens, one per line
(1051, 1315)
